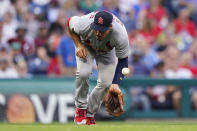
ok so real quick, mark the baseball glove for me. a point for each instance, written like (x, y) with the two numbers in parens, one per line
(114, 101)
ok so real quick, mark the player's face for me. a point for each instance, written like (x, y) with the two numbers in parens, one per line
(101, 35)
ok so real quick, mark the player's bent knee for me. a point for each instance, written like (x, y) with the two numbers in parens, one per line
(84, 75)
(95, 108)
(105, 84)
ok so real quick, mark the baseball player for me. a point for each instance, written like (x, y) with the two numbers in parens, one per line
(101, 36)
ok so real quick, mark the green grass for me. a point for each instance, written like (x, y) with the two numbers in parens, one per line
(106, 126)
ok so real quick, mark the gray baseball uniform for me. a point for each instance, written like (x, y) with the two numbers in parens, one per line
(104, 52)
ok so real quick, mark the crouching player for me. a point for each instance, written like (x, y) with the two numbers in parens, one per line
(101, 36)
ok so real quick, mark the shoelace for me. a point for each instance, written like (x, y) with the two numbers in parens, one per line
(81, 113)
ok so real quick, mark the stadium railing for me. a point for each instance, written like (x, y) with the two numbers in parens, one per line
(59, 85)
(184, 84)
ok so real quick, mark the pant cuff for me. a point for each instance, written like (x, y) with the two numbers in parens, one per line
(80, 105)
(89, 114)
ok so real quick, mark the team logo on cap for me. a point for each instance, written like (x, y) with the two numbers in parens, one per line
(100, 20)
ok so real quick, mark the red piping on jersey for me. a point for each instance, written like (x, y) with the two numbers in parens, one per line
(68, 21)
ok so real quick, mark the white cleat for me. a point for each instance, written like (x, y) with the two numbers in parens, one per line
(83, 122)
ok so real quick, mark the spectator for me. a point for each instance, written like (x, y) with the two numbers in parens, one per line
(42, 37)
(160, 97)
(172, 7)
(53, 10)
(157, 12)
(169, 37)
(4, 50)
(88, 6)
(138, 65)
(172, 54)
(139, 100)
(193, 49)
(185, 27)
(31, 23)
(27, 48)
(158, 71)
(22, 69)
(56, 30)
(186, 63)
(15, 53)
(6, 70)
(5, 6)
(191, 5)
(39, 64)
(150, 57)
(66, 56)
(61, 20)
(39, 7)
(139, 6)
(21, 6)
(174, 71)
(54, 68)
(129, 20)
(9, 26)
(149, 30)
(111, 6)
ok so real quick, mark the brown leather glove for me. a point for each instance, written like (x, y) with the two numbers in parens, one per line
(114, 101)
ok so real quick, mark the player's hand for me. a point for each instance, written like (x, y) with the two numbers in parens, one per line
(81, 52)
(114, 101)
(115, 89)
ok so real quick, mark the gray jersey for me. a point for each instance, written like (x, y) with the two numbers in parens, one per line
(117, 38)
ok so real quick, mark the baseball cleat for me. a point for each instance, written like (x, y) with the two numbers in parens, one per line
(80, 116)
(90, 121)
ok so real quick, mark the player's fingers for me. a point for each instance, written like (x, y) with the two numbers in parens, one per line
(84, 53)
(80, 54)
(77, 53)
(120, 99)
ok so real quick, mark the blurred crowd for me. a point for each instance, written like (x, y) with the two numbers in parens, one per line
(162, 34)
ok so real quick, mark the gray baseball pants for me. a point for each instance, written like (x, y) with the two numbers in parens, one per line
(106, 64)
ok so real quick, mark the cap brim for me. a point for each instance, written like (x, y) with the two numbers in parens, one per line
(98, 27)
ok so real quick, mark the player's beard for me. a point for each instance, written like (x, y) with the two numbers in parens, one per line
(99, 38)
(102, 36)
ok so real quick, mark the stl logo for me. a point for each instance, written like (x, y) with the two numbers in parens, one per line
(100, 20)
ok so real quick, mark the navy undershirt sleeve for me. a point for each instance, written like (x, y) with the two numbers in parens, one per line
(118, 77)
